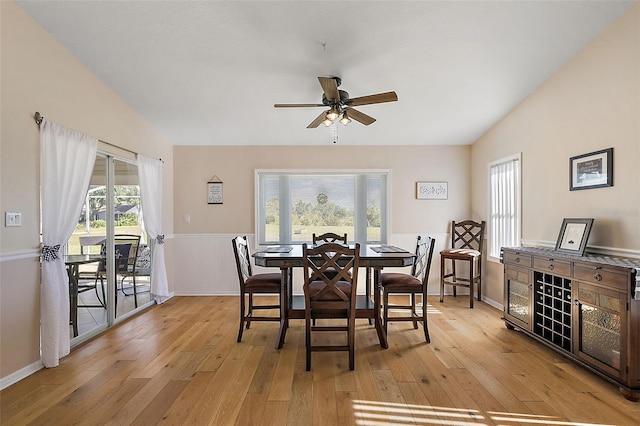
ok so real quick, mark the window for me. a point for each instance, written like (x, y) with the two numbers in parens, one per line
(504, 204)
(292, 205)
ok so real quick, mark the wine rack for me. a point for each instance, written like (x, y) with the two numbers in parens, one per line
(552, 311)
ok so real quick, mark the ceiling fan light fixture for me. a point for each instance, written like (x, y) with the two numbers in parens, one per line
(327, 122)
(345, 118)
(333, 113)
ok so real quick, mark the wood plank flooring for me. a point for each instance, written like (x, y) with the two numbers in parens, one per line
(179, 364)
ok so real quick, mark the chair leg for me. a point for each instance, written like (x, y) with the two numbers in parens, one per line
(351, 331)
(414, 315)
(250, 310)
(471, 284)
(453, 270)
(442, 273)
(102, 301)
(425, 327)
(135, 293)
(241, 316)
(385, 310)
(375, 287)
(308, 341)
(479, 279)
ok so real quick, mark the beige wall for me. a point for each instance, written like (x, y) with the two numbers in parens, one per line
(38, 74)
(235, 166)
(203, 255)
(592, 103)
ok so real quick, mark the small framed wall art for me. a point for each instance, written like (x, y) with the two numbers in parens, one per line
(573, 236)
(592, 170)
(214, 191)
(432, 190)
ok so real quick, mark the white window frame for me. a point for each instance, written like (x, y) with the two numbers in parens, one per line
(360, 203)
(505, 195)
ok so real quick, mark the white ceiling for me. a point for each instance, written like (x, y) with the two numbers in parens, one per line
(209, 72)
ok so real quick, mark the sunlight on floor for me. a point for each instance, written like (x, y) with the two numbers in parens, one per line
(375, 413)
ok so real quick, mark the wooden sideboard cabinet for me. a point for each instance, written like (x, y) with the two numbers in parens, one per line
(584, 307)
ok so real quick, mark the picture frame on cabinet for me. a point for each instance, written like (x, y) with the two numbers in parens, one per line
(573, 236)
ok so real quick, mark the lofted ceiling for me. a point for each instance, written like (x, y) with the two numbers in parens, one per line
(209, 72)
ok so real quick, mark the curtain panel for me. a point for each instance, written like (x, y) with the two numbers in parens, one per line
(67, 158)
(150, 176)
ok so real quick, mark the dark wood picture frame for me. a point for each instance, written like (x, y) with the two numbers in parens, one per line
(573, 236)
(592, 170)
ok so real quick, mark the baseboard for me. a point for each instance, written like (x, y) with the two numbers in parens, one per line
(25, 372)
(493, 303)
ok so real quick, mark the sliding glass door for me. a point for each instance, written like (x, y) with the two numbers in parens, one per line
(115, 281)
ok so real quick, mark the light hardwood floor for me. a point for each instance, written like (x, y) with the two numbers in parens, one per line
(179, 363)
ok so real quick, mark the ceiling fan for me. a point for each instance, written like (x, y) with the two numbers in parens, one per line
(340, 105)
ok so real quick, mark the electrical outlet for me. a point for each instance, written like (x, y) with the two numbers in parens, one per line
(12, 219)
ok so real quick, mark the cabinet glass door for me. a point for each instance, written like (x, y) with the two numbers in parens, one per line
(518, 296)
(519, 301)
(600, 326)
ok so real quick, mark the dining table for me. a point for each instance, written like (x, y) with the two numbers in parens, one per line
(373, 257)
(73, 262)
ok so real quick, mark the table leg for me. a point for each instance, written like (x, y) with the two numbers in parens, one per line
(368, 289)
(284, 306)
(382, 335)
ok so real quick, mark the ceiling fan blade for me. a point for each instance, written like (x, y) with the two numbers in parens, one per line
(378, 98)
(330, 88)
(298, 105)
(361, 117)
(319, 119)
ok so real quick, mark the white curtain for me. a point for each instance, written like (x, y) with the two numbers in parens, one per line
(66, 163)
(150, 175)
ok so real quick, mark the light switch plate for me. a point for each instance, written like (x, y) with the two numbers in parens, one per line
(12, 219)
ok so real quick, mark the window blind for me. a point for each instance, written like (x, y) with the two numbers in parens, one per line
(504, 226)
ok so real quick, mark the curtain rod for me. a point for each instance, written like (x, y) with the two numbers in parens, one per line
(38, 118)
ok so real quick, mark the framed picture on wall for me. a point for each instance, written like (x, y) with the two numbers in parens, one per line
(592, 170)
(573, 236)
(214, 192)
(432, 190)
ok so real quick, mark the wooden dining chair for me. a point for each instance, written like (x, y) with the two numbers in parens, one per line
(328, 237)
(467, 238)
(252, 284)
(415, 283)
(330, 297)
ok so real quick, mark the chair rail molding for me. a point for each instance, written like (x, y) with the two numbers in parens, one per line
(19, 256)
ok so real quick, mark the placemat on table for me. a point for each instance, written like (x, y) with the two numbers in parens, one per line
(388, 249)
(277, 249)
